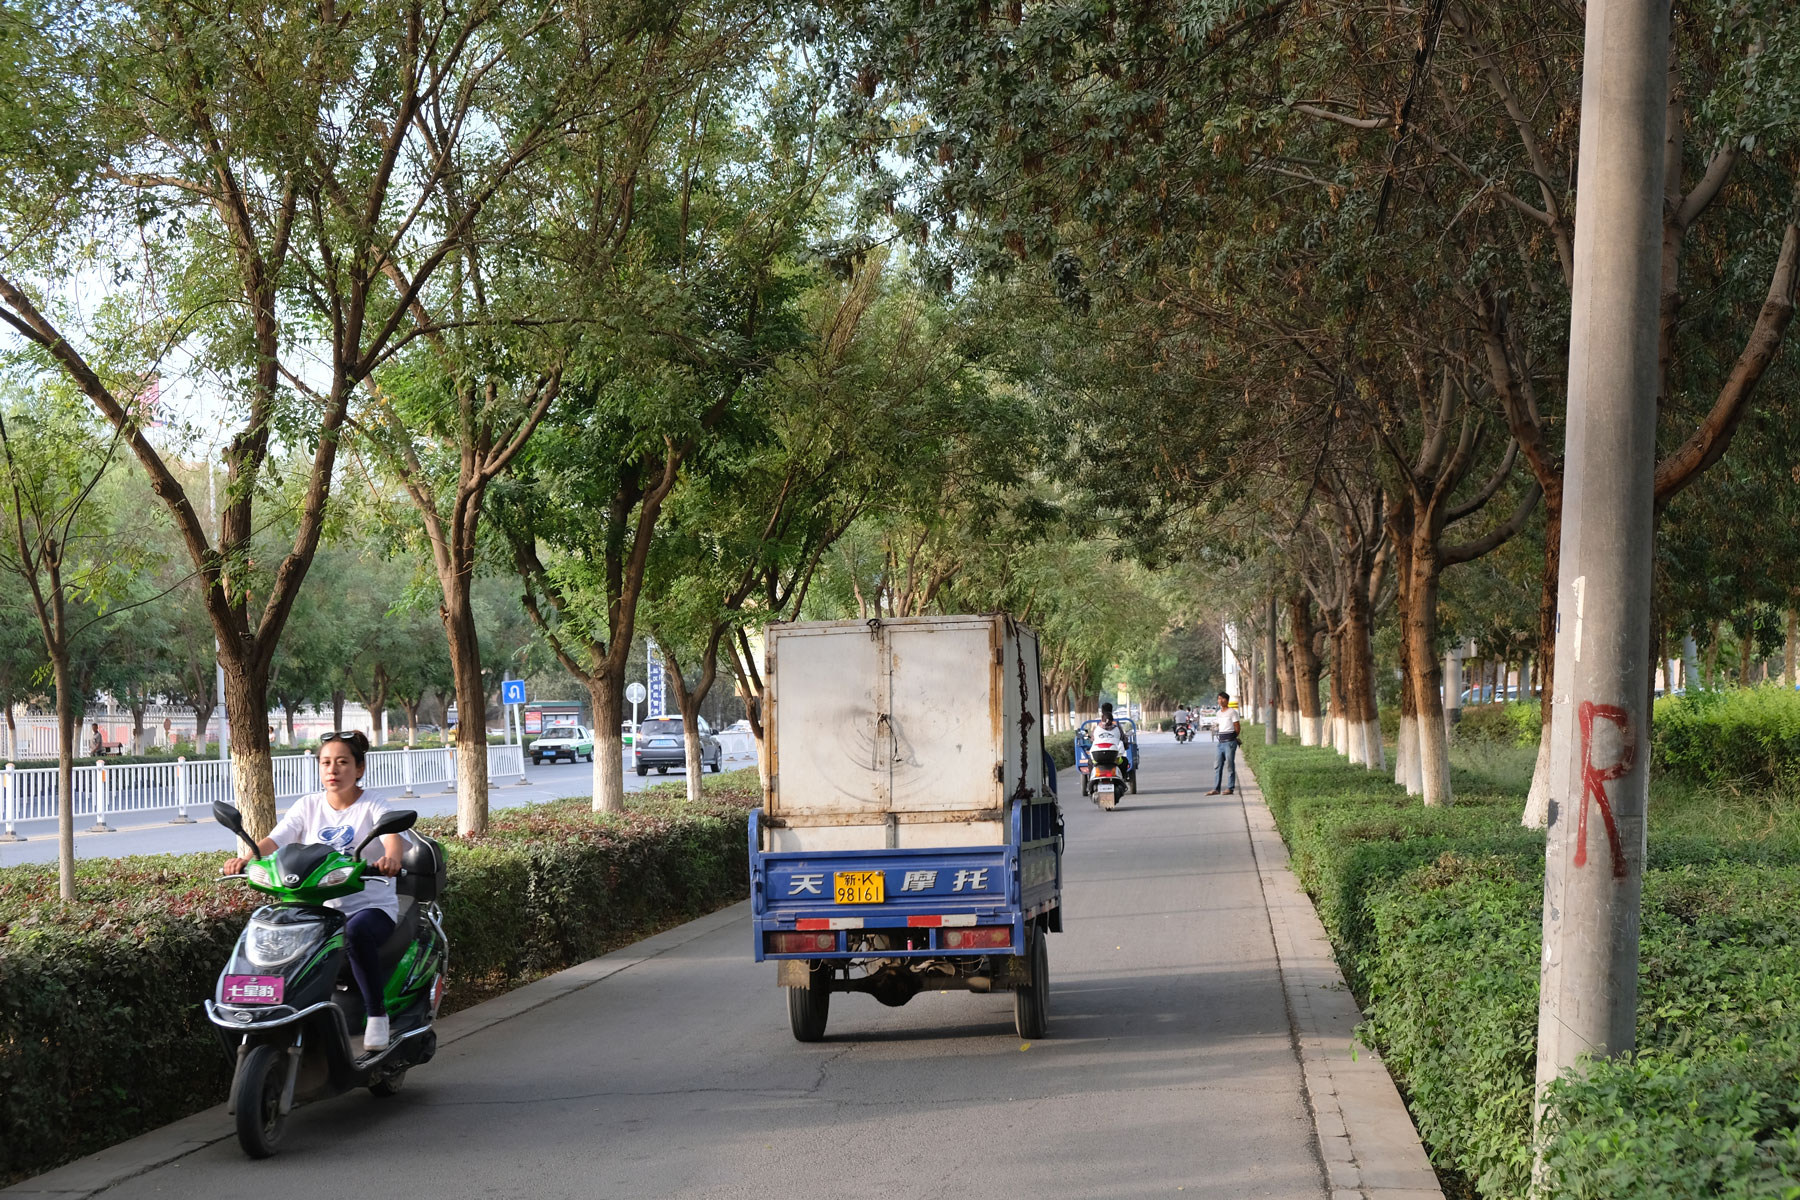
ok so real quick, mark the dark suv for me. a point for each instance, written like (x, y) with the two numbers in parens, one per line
(659, 743)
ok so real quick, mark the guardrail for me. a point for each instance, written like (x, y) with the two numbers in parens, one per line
(106, 789)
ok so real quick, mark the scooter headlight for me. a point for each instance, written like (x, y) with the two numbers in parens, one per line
(258, 873)
(267, 944)
(336, 877)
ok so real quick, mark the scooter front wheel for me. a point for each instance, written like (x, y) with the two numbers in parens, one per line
(261, 1079)
(389, 1084)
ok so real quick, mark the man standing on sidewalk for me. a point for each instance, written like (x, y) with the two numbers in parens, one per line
(1227, 725)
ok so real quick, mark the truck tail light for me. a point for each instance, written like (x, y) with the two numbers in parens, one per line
(978, 937)
(798, 943)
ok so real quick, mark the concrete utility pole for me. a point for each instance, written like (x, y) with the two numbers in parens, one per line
(1272, 657)
(1587, 1002)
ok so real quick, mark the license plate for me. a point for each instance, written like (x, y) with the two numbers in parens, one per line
(1104, 786)
(859, 887)
(663, 742)
(253, 989)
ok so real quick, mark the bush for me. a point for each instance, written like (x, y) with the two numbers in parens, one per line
(1518, 724)
(1744, 737)
(1062, 749)
(1437, 916)
(101, 1032)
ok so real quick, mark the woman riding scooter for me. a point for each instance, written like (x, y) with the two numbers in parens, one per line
(340, 816)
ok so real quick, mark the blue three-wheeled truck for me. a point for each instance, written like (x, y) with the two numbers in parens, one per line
(910, 836)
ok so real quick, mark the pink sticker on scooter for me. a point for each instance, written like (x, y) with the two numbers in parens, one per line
(252, 989)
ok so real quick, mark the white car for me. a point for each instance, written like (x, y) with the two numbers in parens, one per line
(559, 741)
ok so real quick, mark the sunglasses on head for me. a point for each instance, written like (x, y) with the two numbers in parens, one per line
(340, 735)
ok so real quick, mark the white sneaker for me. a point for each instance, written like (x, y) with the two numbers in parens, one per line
(375, 1034)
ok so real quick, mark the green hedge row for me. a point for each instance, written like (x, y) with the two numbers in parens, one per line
(1742, 737)
(1062, 748)
(101, 1032)
(1436, 916)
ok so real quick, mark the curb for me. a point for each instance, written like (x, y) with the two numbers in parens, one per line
(106, 1168)
(1366, 1137)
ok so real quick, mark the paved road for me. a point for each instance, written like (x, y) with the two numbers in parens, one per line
(151, 833)
(1170, 1069)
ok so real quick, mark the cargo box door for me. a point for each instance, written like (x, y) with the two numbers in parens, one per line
(833, 748)
(942, 718)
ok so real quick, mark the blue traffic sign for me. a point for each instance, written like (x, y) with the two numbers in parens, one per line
(512, 691)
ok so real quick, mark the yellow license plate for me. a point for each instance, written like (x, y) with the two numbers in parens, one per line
(859, 887)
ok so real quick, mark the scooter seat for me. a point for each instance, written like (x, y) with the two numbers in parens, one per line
(405, 930)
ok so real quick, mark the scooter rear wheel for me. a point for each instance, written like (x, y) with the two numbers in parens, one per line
(259, 1116)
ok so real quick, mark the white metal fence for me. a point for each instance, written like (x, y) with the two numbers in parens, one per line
(104, 789)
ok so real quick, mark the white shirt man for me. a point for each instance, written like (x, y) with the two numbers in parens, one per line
(1227, 725)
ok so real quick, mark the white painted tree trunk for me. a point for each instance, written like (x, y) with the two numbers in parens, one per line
(1374, 753)
(694, 766)
(1406, 749)
(1537, 801)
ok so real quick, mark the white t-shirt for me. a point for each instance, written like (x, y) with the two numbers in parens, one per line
(1226, 722)
(312, 819)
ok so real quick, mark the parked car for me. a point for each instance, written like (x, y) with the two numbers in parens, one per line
(559, 741)
(661, 744)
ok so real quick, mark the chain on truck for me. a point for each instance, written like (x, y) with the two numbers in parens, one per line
(910, 836)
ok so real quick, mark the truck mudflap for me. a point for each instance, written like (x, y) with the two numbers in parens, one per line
(902, 903)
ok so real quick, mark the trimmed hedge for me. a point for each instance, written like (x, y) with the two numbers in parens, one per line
(1062, 749)
(1436, 916)
(1741, 737)
(1520, 724)
(101, 1032)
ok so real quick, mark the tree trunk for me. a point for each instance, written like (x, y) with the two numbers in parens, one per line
(458, 615)
(252, 762)
(1537, 800)
(689, 702)
(137, 728)
(1712, 656)
(1306, 669)
(65, 775)
(1426, 674)
(12, 733)
(754, 692)
(1335, 693)
(1788, 678)
(606, 698)
(1406, 741)
(1289, 703)
(337, 710)
(1359, 683)
(1747, 646)
(202, 718)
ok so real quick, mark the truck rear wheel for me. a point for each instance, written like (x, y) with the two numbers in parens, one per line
(809, 1006)
(1031, 1003)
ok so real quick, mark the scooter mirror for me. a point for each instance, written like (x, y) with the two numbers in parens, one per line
(398, 821)
(228, 816)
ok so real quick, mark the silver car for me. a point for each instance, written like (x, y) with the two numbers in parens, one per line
(660, 744)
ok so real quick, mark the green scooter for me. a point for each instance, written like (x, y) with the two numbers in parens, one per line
(286, 1003)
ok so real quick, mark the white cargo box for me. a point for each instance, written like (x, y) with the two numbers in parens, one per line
(910, 732)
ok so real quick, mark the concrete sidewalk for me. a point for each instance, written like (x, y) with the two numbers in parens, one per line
(1367, 1138)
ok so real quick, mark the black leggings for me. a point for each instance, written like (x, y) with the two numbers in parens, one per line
(364, 934)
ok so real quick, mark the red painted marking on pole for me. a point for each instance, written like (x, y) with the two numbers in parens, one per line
(1594, 779)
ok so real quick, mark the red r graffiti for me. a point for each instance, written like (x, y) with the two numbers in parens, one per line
(1594, 779)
